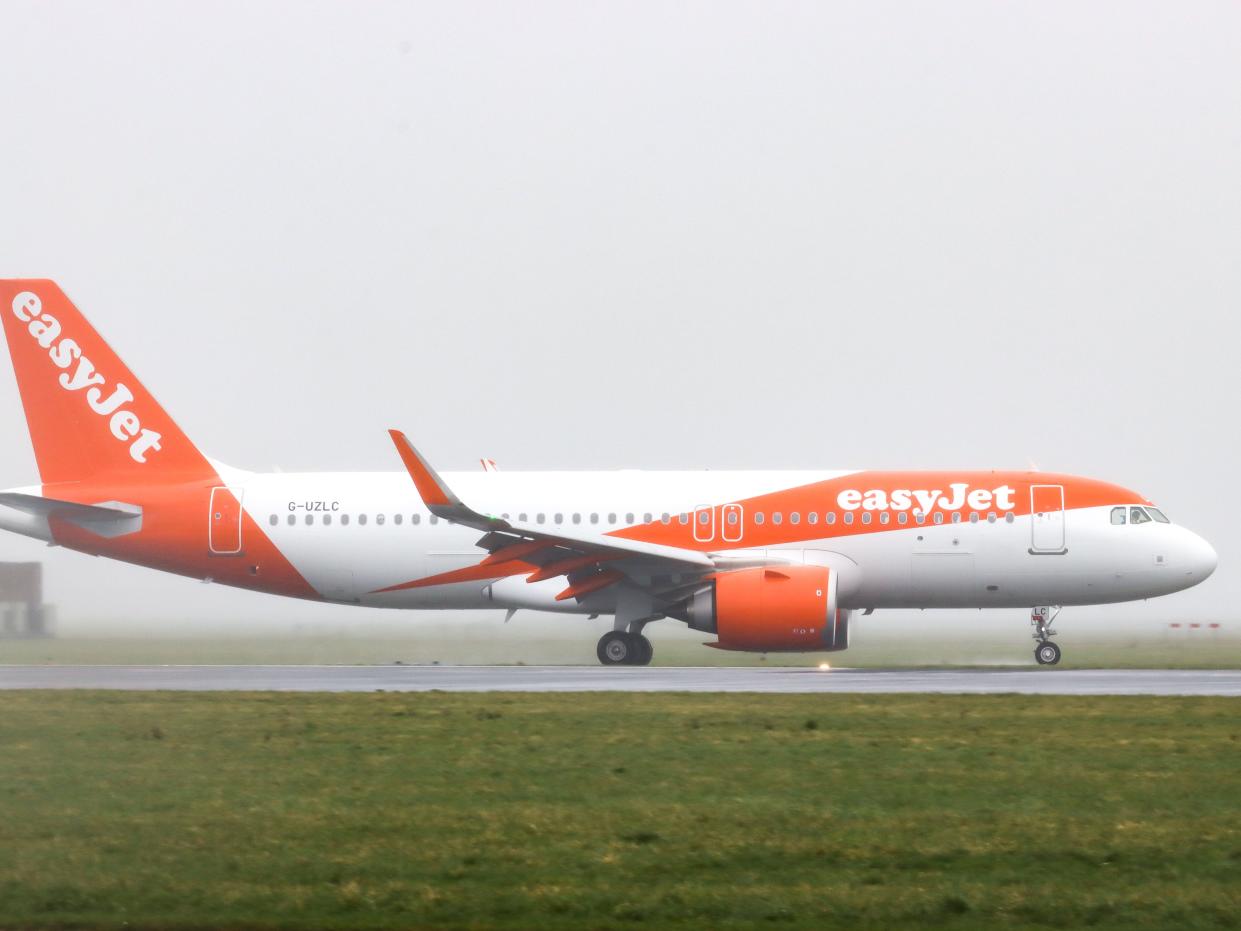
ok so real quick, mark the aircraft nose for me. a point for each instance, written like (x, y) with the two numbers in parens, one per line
(1201, 558)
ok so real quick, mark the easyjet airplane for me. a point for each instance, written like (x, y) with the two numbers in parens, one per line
(762, 561)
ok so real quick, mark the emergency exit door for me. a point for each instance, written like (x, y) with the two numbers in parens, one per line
(224, 521)
(1047, 519)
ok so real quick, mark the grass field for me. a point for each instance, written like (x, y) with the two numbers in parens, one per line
(617, 811)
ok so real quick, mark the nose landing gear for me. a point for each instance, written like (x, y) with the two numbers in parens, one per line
(1046, 653)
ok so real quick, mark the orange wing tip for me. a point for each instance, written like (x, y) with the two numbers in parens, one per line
(429, 485)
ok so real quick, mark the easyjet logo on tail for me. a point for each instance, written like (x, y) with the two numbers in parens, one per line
(80, 375)
(902, 499)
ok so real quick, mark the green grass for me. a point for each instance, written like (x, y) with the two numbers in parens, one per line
(617, 811)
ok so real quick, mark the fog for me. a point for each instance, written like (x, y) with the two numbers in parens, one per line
(662, 235)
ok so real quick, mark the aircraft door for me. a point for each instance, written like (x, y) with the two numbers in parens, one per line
(1047, 519)
(224, 521)
(732, 523)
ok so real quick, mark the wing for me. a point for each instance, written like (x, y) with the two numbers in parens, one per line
(589, 561)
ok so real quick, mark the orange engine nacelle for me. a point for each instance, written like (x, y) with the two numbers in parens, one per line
(772, 609)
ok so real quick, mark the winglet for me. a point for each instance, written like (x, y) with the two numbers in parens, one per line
(435, 493)
(432, 488)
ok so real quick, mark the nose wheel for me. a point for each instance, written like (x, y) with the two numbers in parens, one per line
(1046, 653)
(622, 648)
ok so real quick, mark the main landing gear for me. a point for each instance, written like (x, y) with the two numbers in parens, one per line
(1046, 652)
(623, 648)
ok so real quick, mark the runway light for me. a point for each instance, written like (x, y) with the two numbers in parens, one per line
(825, 666)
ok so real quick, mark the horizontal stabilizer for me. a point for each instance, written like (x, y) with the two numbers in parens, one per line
(106, 519)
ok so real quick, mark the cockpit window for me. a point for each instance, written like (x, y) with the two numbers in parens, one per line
(1158, 515)
(1138, 516)
(1118, 515)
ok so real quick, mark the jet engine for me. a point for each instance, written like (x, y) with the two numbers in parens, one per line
(771, 609)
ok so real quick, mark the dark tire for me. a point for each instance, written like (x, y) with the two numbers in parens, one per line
(616, 648)
(643, 652)
(1047, 653)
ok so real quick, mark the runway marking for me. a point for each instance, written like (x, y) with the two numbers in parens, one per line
(1219, 682)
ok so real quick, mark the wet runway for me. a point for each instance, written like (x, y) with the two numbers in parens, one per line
(623, 679)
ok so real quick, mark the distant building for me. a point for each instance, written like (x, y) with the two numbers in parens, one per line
(22, 611)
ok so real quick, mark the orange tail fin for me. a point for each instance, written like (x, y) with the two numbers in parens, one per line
(89, 417)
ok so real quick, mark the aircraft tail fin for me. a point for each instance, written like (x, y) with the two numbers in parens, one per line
(90, 419)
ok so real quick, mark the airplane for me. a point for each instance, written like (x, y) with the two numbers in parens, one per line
(763, 561)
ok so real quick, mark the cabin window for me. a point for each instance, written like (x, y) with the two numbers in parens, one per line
(647, 518)
(327, 519)
(274, 520)
(939, 517)
(731, 518)
(812, 517)
(884, 517)
(292, 519)
(704, 518)
(991, 518)
(594, 518)
(683, 517)
(919, 517)
(759, 517)
(1008, 518)
(665, 518)
(974, 517)
(611, 518)
(434, 519)
(540, 517)
(902, 517)
(577, 518)
(830, 517)
(629, 518)
(344, 519)
(397, 519)
(415, 518)
(777, 517)
(956, 517)
(521, 518)
(362, 519)
(379, 519)
(866, 517)
(795, 517)
(310, 519)
(848, 517)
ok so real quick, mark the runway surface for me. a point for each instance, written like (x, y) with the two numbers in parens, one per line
(623, 679)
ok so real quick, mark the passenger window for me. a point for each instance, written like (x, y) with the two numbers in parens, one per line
(848, 517)
(759, 517)
(665, 518)
(1158, 515)
(866, 518)
(292, 519)
(704, 518)
(1118, 516)
(540, 517)
(521, 518)
(379, 519)
(939, 517)
(902, 517)
(919, 517)
(1008, 518)
(362, 518)
(611, 518)
(795, 518)
(956, 517)
(629, 518)
(434, 519)
(344, 519)
(974, 517)
(812, 517)
(1138, 516)
(413, 519)
(274, 520)
(577, 518)
(732, 518)
(647, 518)
(327, 519)
(884, 517)
(830, 517)
(594, 518)
(310, 519)
(559, 518)
(683, 517)
(991, 518)
(777, 517)
(397, 519)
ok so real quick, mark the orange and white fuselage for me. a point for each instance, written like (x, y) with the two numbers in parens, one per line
(731, 553)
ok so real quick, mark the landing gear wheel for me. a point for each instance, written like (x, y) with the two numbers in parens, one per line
(1047, 653)
(643, 651)
(616, 648)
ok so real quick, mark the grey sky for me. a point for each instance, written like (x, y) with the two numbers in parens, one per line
(659, 235)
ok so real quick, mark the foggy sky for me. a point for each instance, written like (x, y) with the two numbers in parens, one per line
(663, 235)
